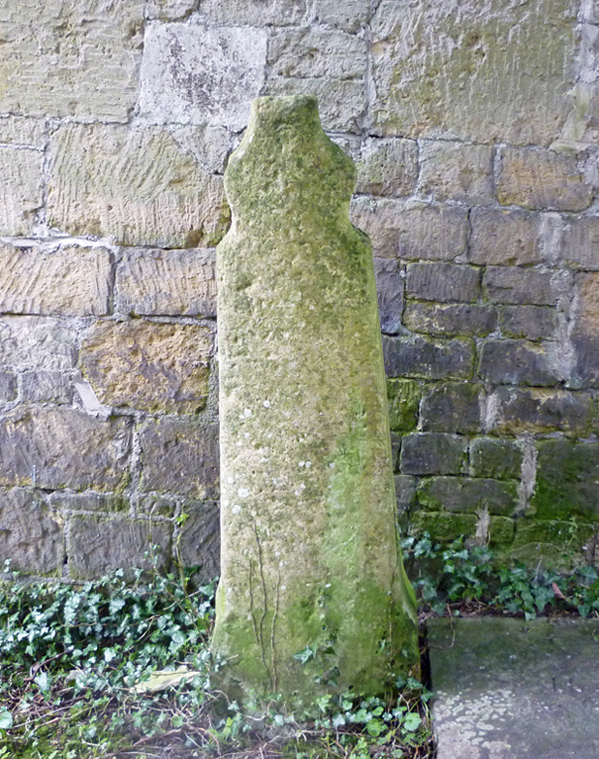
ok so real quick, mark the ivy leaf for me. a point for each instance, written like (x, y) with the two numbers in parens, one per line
(5, 720)
(304, 656)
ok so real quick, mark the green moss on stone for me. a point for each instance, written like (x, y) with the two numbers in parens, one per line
(404, 398)
(567, 482)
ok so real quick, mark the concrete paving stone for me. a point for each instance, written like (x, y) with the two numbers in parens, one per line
(510, 689)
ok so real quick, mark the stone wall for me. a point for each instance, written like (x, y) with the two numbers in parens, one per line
(474, 126)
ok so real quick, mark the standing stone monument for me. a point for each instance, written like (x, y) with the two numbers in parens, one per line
(313, 598)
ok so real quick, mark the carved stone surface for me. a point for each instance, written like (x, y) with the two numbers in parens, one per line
(309, 554)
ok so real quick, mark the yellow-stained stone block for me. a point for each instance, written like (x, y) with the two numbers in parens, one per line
(148, 365)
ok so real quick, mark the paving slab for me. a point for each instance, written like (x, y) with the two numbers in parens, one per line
(510, 689)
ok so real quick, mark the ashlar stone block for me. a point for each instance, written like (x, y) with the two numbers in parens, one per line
(148, 365)
(451, 407)
(98, 545)
(403, 396)
(450, 320)
(462, 69)
(196, 75)
(351, 15)
(167, 283)
(433, 453)
(75, 58)
(428, 359)
(530, 322)
(56, 448)
(468, 494)
(199, 542)
(21, 193)
(580, 243)
(454, 171)
(537, 410)
(311, 53)
(36, 342)
(517, 362)
(504, 238)
(68, 282)
(138, 187)
(388, 168)
(390, 293)
(443, 282)
(542, 179)
(306, 557)
(253, 12)
(567, 481)
(506, 284)
(413, 231)
(30, 534)
(21, 130)
(180, 455)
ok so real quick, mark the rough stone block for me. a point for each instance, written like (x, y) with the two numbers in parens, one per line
(454, 171)
(20, 130)
(21, 193)
(550, 539)
(167, 283)
(8, 387)
(429, 359)
(136, 186)
(405, 492)
(30, 534)
(98, 545)
(450, 526)
(71, 58)
(351, 15)
(148, 365)
(458, 70)
(580, 243)
(389, 287)
(253, 12)
(529, 322)
(170, 10)
(516, 362)
(465, 494)
(450, 320)
(567, 481)
(341, 102)
(396, 229)
(311, 52)
(69, 282)
(107, 503)
(35, 342)
(404, 397)
(388, 167)
(180, 456)
(199, 544)
(586, 331)
(542, 179)
(504, 238)
(442, 282)
(497, 459)
(451, 407)
(40, 386)
(433, 453)
(505, 284)
(57, 448)
(519, 410)
(157, 505)
(196, 75)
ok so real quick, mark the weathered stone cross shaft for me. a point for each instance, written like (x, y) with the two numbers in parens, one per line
(309, 552)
